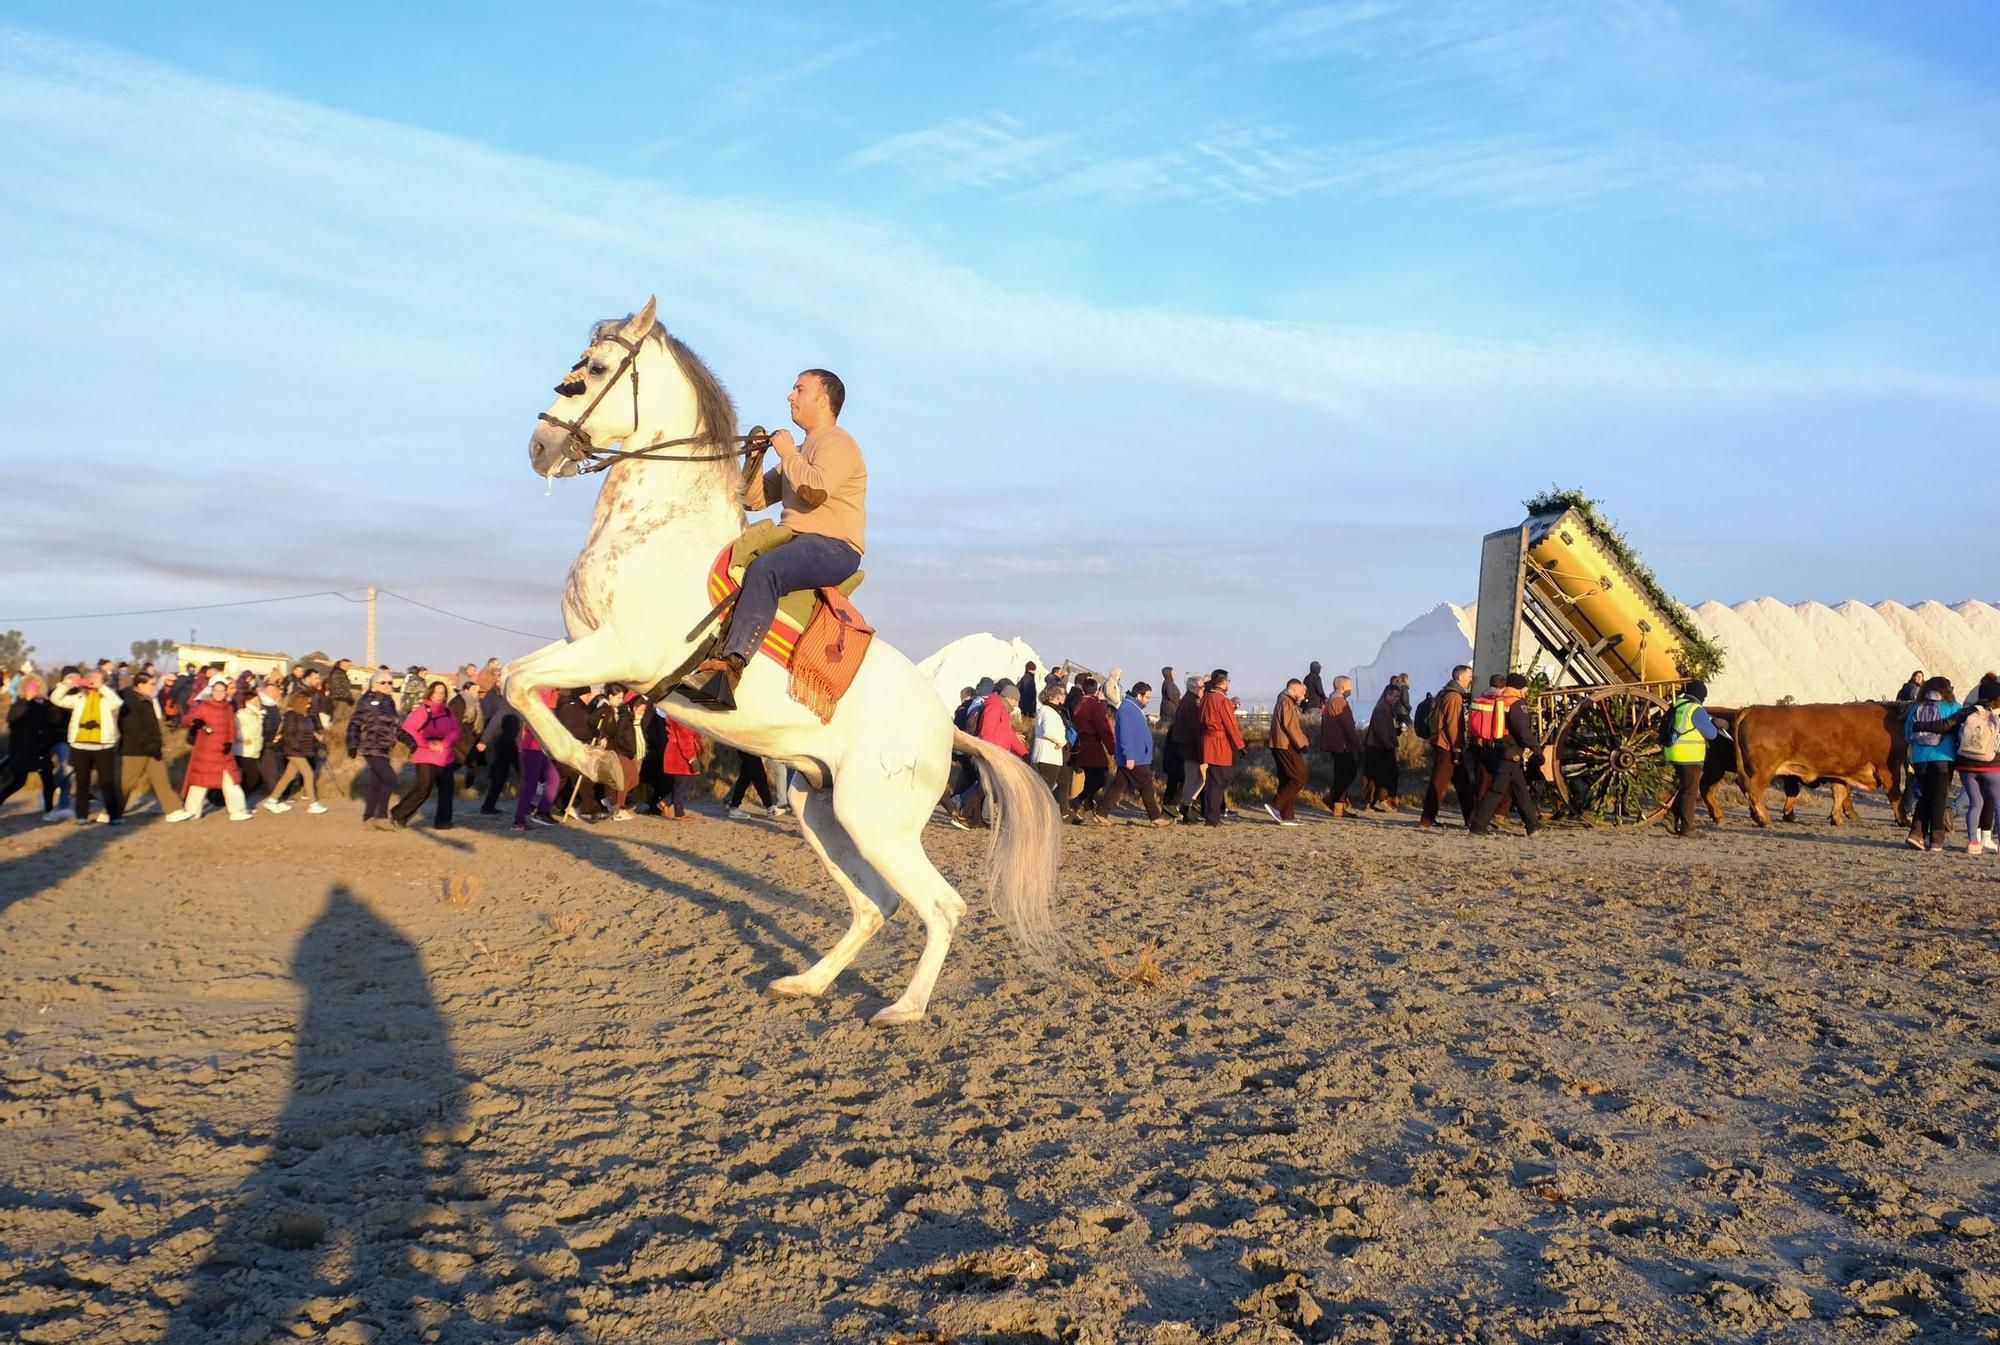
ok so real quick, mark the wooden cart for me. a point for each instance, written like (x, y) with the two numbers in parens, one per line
(1604, 661)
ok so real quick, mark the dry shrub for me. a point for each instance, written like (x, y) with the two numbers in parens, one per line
(1145, 973)
(1253, 784)
(462, 889)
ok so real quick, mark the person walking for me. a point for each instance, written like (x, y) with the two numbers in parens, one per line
(541, 782)
(751, 773)
(434, 730)
(1379, 769)
(1096, 745)
(92, 731)
(1221, 740)
(1135, 758)
(614, 722)
(1684, 744)
(1975, 729)
(995, 725)
(1028, 689)
(33, 728)
(1913, 688)
(250, 745)
(1170, 695)
(372, 735)
(1288, 750)
(468, 710)
(140, 742)
(1933, 749)
(300, 741)
(1184, 733)
(680, 762)
(1051, 740)
(500, 745)
(1340, 739)
(211, 731)
(1445, 733)
(1519, 745)
(573, 711)
(340, 683)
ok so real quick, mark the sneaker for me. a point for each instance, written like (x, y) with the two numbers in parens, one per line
(86, 821)
(273, 806)
(53, 815)
(622, 815)
(103, 816)
(777, 810)
(543, 820)
(243, 816)
(315, 807)
(179, 815)
(1162, 821)
(1274, 814)
(737, 815)
(1974, 848)
(484, 809)
(1914, 841)
(378, 824)
(517, 826)
(1288, 822)
(957, 822)
(114, 821)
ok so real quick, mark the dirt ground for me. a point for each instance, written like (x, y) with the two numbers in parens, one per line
(290, 1078)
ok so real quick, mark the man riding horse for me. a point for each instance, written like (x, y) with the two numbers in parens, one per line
(823, 487)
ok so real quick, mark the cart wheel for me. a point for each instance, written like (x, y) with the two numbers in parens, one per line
(1606, 759)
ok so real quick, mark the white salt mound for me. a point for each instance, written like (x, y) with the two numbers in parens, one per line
(964, 661)
(1808, 651)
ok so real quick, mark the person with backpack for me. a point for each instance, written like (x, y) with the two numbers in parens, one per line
(1974, 733)
(1440, 722)
(1485, 724)
(434, 730)
(1933, 748)
(1685, 734)
(1519, 744)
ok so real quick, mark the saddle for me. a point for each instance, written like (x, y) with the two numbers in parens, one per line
(818, 635)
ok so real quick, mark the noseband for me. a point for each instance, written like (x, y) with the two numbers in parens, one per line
(576, 445)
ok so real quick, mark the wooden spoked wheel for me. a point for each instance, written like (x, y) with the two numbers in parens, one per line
(1606, 759)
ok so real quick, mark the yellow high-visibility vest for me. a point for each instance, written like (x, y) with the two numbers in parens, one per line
(1688, 747)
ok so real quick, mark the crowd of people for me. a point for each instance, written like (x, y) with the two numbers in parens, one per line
(96, 738)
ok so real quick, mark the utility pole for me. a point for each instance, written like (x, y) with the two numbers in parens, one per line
(372, 664)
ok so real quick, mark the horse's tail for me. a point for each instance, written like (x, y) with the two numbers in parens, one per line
(1021, 857)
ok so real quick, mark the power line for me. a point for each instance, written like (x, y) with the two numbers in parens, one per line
(531, 634)
(197, 607)
(289, 597)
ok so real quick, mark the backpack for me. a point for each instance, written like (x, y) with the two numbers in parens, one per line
(1923, 712)
(1487, 722)
(1979, 736)
(1426, 714)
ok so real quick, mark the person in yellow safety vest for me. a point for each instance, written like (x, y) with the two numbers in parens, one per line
(1685, 738)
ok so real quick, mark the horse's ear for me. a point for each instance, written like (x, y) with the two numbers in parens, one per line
(640, 324)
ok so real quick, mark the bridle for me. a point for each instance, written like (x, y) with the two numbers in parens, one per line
(576, 445)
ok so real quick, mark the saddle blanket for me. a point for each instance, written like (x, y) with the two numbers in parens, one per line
(822, 651)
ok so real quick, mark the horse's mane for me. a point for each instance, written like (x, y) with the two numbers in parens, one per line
(715, 409)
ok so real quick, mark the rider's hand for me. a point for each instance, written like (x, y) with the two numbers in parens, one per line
(783, 442)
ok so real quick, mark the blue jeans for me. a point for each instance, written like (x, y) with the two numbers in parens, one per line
(807, 561)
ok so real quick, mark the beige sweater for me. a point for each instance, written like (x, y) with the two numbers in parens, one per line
(823, 485)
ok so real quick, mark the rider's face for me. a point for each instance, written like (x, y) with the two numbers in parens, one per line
(807, 396)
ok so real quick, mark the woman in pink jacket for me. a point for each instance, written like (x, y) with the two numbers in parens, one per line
(434, 729)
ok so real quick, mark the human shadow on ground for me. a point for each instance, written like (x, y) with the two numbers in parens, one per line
(364, 1208)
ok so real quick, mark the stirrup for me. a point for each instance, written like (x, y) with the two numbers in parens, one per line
(715, 693)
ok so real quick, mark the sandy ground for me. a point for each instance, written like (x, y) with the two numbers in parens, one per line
(270, 1080)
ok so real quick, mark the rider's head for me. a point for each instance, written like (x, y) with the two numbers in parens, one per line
(817, 396)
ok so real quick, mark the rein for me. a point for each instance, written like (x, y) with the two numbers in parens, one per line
(589, 458)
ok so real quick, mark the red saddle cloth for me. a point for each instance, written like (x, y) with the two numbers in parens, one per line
(824, 657)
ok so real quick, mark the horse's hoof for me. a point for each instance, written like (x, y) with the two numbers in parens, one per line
(792, 987)
(896, 1015)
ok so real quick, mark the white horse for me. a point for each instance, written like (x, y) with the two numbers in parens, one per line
(636, 608)
(967, 659)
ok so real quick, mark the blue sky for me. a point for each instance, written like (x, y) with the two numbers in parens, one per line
(1211, 333)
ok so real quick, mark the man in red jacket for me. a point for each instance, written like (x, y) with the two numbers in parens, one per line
(1221, 740)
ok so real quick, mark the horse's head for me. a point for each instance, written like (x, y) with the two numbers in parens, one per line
(597, 401)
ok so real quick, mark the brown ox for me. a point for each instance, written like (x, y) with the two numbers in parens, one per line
(1854, 746)
(1719, 767)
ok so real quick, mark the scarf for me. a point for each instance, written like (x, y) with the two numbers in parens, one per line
(90, 728)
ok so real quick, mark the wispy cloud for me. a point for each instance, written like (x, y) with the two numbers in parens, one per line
(372, 314)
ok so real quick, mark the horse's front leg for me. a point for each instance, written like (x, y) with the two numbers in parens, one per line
(596, 657)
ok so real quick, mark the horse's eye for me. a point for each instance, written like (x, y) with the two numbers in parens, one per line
(596, 368)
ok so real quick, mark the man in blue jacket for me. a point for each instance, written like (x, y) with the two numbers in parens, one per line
(1135, 757)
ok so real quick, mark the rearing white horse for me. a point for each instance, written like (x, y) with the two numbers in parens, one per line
(636, 608)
